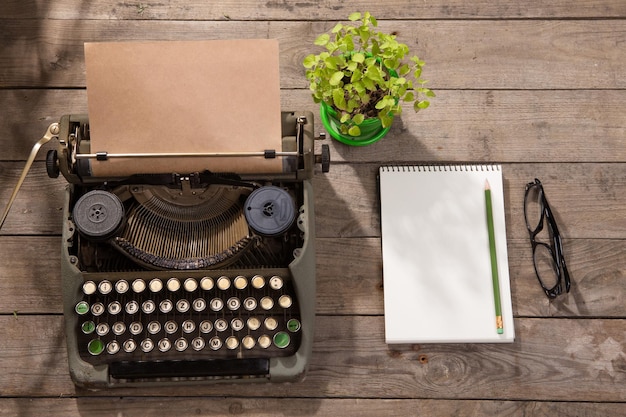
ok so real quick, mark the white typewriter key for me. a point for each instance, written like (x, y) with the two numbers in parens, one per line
(271, 323)
(223, 283)
(216, 304)
(199, 304)
(129, 346)
(114, 308)
(206, 326)
(237, 324)
(181, 344)
(97, 309)
(265, 341)
(182, 306)
(253, 323)
(132, 307)
(215, 343)
(276, 282)
(284, 301)
(139, 285)
(188, 326)
(113, 347)
(173, 284)
(164, 345)
(154, 327)
(89, 287)
(105, 287)
(122, 286)
(248, 342)
(102, 329)
(198, 343)
(118, 328)
(221, 325)
(165, 306)
(147, 345)
(249, 303)
(232, 342)
(206, 283)
(148, 306)
(190, 285)
(155, 285)
(233, 303)
(258, 282)
(240, 282)
(267, 303)
(170, 327)
(135, 327)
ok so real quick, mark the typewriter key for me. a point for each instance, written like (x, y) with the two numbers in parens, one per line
(190, 285)
(265, 341)
(221, 325)
(281, 340)
(98, 214)
(113, 347)
(284, 301)
(216, 304)
(188, 326)
(121, 286)
(155, 285)
(118, 328)
(258, 282)
(165, 306)
(182, 306)
(89, 287)
(233, 303)
(253, 323)
(293, 325)
(82, 307)
(102, 329)
(97, 309)
(114, 308)
(248, 342)
(105, 287)
(147, 345)
(232, 342)
(267, 303)
(165, 345)
(88, 327)
(206, 283)
(154, 327)
(139, 285)
(170, 327)
(129, 346)
(199, 304)
(181, 344)
(206, 326)
(148, 306)
(271, 323)
(240, 282)
(173, 284)
(237, 324)
(249, 303)
(132, 307)
(223, 283)
(276, 282)
(95, 347)
(135, 327)
(215, 343)
(198, 343)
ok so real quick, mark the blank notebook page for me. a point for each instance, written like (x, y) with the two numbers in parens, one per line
(438, 285)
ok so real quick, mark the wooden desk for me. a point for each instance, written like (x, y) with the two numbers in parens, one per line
(537, 86)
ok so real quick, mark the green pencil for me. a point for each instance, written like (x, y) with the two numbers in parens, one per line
(494, 260)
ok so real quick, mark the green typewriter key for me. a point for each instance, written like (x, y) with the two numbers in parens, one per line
(293, 325)
(88, 327)
(95, 347)
(281, 340)
(82, 307)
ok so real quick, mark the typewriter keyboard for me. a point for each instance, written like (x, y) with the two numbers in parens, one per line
(163, 318)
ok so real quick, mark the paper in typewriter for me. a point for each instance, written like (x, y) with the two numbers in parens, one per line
(182, 97)
(437, 278)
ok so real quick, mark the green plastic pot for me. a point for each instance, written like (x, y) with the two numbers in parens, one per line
(371, 129)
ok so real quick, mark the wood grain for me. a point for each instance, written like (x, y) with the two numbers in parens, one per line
(460, 125)
(503, 54)
(551, 359)
(306, 10)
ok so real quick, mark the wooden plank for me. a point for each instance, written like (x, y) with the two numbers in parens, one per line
(311, 10)
(588, 200)
(349, 278)
(502, 54)
(269, 407)
(551, 360)
(460, 125)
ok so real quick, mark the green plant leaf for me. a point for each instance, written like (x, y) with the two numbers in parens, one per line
(336, 78)
(309, 61)
(358, 119)
(386, 120)
(339, 99)
(358, 57)
(337, 28)
(344, 118)
(354, 130)
(322, 39)
(354, 16)
(409, 96)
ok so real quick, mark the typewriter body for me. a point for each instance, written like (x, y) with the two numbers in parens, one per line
(189, 277)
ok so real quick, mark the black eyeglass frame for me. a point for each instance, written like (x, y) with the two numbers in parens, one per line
(556, 245)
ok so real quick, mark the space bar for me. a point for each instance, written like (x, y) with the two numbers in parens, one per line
(189, 368)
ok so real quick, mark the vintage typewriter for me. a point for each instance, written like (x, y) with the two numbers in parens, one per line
(187, 277)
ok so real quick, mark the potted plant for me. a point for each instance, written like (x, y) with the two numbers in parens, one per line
(362, 79)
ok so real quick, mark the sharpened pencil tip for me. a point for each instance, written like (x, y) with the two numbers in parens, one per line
(487, 186)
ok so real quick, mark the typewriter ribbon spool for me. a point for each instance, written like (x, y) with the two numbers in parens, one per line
(98, 214)
(270, 210)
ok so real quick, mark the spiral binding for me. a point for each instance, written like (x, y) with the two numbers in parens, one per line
(440, 168)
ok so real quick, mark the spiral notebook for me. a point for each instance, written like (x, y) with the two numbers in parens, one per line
(437, 273)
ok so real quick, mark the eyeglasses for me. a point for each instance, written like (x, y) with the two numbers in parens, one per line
(547, 257)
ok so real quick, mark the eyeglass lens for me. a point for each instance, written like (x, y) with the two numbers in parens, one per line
(533, 208)
(545, 265)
